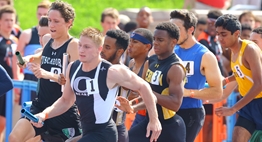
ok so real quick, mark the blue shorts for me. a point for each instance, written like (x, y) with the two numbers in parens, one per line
(253, 112)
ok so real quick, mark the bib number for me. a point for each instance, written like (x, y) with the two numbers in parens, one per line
(155, 77)
(189, 66)
(55, 71)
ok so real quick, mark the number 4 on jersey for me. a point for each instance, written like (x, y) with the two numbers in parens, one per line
(189, 66)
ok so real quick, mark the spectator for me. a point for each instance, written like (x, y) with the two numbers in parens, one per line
(124, 19)
(245, 31)
(247, 18)
(144, 18)
(256, 36)
(200, 27)
(130, 26)
(109, 19)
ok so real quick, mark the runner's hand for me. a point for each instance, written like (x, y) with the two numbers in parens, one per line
(155, 127)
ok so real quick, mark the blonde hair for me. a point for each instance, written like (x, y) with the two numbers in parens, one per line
(94, 34)
(111, 12)
(44, 4)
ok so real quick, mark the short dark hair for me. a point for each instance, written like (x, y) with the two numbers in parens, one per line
(246, 27)
(189, 18)
(171, 28)
(202, 21)
(258, 30)
(145, 33)
(228, 22)
(43, 22)
(214, 14)
(130, 26)
(122, 38)
(65, 9)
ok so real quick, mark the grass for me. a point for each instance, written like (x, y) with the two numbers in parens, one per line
(88, 11)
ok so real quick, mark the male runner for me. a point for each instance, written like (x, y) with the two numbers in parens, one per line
(93, 83)
(246, 66)
(115, 44)
(140, 44)
(165, 74)
(201, 67)
(144, 17)
(61, 16)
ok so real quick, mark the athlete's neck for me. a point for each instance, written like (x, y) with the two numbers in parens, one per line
(235, 48)
(6, 35)
(60, 40)
(139, 60)
(88, 66)
(165, 55)
(191, 41)
(115, 61)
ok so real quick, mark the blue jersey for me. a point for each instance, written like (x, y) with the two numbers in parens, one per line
(192, 58)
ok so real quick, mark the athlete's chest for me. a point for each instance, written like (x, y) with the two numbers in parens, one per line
(156, 74)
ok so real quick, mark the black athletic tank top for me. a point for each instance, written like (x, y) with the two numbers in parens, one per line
(7, 49)
(34, 36)
(52, 60)
(94, 99)
(141, 69)
(156, 76)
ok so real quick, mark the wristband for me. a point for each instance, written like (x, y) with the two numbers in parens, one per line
(46, 116)
(192, 93)
(136, 101)
(227, 80)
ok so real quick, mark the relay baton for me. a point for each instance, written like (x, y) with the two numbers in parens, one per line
(19, 57)
(65, 64)
(30, 116)
(27, 104)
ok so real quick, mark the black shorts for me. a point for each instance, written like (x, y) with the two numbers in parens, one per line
(103, 133)
(64, 126)
(173, 130)
(2, 105)
(194, 120)
(122, 133)
(208, 109)
(251, 114)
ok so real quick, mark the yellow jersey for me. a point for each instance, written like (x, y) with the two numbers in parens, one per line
(242, 74)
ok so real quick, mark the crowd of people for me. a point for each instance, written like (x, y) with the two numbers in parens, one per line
(159, 75)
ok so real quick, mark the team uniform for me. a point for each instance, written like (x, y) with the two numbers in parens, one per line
(141, 114)
(29, 49)
(192, 110)
(7, 51)
(173, 127)
(5, 81)
(250, 116)
(66, 125)
(95, 102)
(16, 31)
(119, 118)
